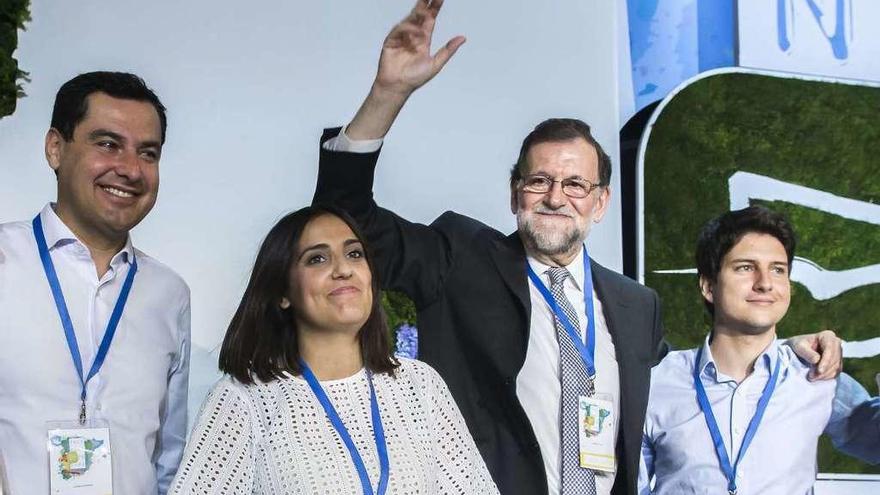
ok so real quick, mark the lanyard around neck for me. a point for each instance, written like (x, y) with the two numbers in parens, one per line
(339, 426)
(67, 324)
(715, 432)
(588, 350)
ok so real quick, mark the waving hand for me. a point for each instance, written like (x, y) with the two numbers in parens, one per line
(406, 63)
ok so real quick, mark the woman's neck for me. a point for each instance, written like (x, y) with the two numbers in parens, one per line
(330, 355)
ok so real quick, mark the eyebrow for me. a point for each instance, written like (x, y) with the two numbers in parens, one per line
(100, 133)
(549, 176)
(324, 245)
(754, 261)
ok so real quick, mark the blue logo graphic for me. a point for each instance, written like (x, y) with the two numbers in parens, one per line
(837, 39)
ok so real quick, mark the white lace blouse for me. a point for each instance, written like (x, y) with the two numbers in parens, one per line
(274, 438)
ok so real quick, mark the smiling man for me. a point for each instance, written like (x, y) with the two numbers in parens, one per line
(94, 334)
(739, 414)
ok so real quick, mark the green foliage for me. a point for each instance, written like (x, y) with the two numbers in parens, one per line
(819, 135)
(13, 15)
(399, 310)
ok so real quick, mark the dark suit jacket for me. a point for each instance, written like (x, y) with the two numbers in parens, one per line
(470, 288)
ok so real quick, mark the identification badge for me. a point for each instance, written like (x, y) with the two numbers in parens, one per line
(596, 420)
(80, 461)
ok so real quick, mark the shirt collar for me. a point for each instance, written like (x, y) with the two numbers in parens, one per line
(57, 233)
(575, 268)
(766, 360)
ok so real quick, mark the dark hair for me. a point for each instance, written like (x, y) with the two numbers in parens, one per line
(720, 234)
(262, 339)
(556, 130)
(71, 101)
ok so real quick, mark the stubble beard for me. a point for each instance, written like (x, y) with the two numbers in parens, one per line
(547, 241)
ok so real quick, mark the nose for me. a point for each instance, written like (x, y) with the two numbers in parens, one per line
(555, 198)
(763, 280)
(129, 166)
(342, 269)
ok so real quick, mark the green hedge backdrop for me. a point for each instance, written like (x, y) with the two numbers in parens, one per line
(820, 135)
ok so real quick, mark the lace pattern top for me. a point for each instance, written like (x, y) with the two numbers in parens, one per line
(274, 438)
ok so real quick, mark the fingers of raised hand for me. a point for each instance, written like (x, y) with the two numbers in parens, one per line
(430, 8)
(446, 52)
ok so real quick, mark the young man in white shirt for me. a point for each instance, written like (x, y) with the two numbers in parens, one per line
(94, 334)
(739, 414)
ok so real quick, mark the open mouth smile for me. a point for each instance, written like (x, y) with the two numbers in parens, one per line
(119, 193)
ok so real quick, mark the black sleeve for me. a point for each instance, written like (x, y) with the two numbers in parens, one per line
(409, 257)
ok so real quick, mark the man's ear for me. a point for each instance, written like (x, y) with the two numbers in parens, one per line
(54, 148)
(706, 287)
(602, 204)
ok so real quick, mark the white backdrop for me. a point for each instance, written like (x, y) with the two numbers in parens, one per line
(249, 88)
(838, 39)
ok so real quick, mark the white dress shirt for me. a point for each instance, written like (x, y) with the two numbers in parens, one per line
(677, 448)
(537, 386)
(140, 391)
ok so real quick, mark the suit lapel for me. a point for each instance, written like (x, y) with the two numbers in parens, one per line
(614, 307)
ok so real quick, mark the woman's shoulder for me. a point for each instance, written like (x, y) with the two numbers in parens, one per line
(228, 386)
(419, 378)
(412, 369)
(258, 395)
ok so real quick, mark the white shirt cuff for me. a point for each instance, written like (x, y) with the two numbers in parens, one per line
(343, 143)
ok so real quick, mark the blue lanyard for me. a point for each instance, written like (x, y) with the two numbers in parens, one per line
(720, 449)
(61, 305)
(587, 351)
(378, 432)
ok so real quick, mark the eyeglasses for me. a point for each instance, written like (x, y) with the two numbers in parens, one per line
(572, 187)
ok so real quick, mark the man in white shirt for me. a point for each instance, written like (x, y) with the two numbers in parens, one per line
(738, 414)
(526, 329)
(94, 334)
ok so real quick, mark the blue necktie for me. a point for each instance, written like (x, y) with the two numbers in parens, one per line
(575, 382)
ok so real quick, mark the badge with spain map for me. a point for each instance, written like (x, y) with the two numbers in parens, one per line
(80, 462)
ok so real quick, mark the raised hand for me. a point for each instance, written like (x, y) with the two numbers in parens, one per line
(406, 62)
